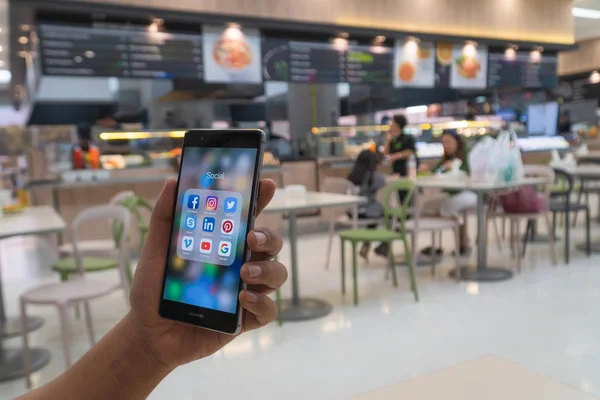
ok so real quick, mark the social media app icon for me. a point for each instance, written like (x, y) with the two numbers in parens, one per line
(205, 246)
(224, 248)
(208, 224)
(193, 202)
(230, 204)
(227, 226)
(190, 222)
(187, 244)
(212, 202)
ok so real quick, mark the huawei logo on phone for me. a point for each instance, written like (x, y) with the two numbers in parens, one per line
(196, 315)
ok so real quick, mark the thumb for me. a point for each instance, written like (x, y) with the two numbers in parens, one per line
(157, 241)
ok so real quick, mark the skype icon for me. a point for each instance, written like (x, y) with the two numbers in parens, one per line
(190, 222)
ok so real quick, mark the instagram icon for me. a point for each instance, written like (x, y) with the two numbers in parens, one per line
(212, 202)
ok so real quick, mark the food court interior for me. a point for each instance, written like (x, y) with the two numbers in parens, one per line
(478, 118)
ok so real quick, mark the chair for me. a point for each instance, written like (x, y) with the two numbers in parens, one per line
(97, 252)
(587, 187)
(387, 236)
(563, 204)
(337, 216)
(533, 171)
(272, 221)
(66, 294)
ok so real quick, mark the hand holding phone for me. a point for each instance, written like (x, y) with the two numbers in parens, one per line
(173, 343)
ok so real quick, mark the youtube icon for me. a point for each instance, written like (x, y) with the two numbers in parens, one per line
(205, 246)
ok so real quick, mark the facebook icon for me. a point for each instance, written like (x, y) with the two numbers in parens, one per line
(208, 225)
(193, 202)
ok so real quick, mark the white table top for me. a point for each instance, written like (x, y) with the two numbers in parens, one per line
(445, 182)
(583, 171)
(281, 202)
(31, 221)
(489, 378)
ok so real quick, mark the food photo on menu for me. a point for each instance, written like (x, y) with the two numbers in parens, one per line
(232, 54)
(414, 64)
(443, 61)
(469, 66)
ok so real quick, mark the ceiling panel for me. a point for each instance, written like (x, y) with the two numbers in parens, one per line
(587, 28)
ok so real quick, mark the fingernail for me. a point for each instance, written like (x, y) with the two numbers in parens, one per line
(254, 271)
(251, 297)
(261, 238)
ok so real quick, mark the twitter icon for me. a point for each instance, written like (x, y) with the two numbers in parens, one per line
(230, 204)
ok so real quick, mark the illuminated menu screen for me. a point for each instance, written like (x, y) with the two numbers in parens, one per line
(521, 72)
(119, 52)
(316, 62)
(369, 65)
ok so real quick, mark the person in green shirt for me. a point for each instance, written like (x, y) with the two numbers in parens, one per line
(451, 204)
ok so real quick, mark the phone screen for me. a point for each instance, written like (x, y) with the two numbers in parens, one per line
(210, 227)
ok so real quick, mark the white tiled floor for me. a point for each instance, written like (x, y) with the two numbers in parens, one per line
(547, 319)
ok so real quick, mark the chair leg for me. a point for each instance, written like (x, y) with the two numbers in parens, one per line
(588, 240)
(529, 232)
(329, 243)
(411, 270)
(554, 223)
(64, 324)
(518, 243)
(433, 253)
(497, 233)
(343, 262)
(354, 273)
(567, 236)
(504, 228)
(88, 322)
(392, 267)
(551, 238)
(26, 350)
(457, 253)
(579, 195)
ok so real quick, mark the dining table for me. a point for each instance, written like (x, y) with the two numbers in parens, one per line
(40, 220)
(298, 308)
(485, 378)
(457, 183)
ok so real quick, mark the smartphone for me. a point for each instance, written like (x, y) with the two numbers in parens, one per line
(214, 210)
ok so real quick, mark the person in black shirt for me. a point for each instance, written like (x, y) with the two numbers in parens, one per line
(399, 146)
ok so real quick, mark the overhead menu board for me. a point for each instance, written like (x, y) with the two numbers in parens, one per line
(521, 72)
(369, 65)
(414, 64)
(316, 62)
(119, 52)
(232, 55)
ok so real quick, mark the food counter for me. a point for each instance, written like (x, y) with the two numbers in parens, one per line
(138, 170)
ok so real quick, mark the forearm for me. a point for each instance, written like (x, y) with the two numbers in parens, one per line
(118, 367)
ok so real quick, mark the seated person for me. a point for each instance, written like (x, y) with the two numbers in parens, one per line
(451, 204)
(368, 181)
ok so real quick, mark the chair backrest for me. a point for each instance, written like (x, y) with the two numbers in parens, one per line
(120, 216)
(120, 197)
(566, 182)
(337, 186)
(393, 210)
(541, 171)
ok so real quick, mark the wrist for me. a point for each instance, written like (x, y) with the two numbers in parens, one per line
(134, 360)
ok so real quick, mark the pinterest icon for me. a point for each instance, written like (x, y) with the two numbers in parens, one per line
(227, 226)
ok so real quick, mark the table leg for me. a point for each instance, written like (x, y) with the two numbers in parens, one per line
(56, 205)
(298, 309)
(483, 273)
(11, 360)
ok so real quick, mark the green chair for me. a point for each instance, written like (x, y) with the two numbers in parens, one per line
(68, 265)
(387, 236)
(95, 262)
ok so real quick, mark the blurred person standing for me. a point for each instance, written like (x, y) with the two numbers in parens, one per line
(399, 147)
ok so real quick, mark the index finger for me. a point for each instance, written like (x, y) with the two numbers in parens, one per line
(266, 191)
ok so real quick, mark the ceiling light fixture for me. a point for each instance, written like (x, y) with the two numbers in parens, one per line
(595, 77)
(341, 41)
(5, 76)
(25, 27)
(536, 54)
(23, 40)
(510, 53)
(585, 13)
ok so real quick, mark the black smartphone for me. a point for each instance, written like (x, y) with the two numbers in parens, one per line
(214, 210)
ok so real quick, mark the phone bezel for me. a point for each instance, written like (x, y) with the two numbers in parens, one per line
(215, 138)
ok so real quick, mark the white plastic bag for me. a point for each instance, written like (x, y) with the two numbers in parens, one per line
(506, 159)
(479, 158)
